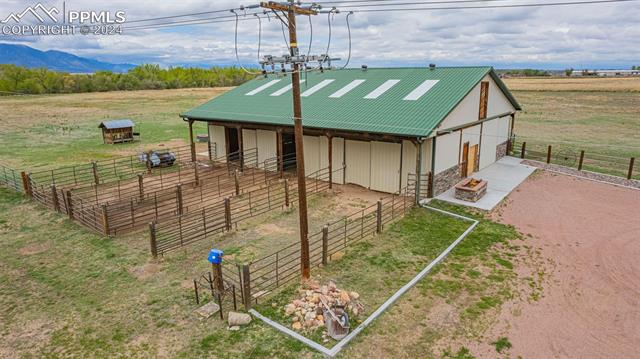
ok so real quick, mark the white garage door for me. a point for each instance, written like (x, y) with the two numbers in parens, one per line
(311, 154)
(217, 137)
(385, 166)
(267, 145)
(358, 162)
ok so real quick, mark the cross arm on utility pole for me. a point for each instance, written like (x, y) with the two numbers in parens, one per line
(298, 10)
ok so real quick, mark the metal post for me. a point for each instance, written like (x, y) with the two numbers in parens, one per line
(69, 205)
(325, 244)
(549, 154)
(141, 186)
(523, 150)
(246, 286)
(227, 213)
(179, 199)
(191, 143)
(94, 167)
(631, 162)
(195, 287)
(581, 160)
(54, 198)
(286, 193)
(152, 239)
(237, 182)
(105, 219)
(379, 217)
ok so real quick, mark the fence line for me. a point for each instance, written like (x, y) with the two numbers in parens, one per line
(192, 227)
(579, 159)
(263, 275)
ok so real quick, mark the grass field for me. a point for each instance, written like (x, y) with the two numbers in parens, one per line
(65, 291)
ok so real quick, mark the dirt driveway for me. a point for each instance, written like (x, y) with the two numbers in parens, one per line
(590, 307)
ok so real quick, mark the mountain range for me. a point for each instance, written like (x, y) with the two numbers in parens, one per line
(26, 56)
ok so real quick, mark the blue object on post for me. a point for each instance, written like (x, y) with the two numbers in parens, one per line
(215, 256)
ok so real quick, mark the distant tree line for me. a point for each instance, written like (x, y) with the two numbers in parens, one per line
(22, 80)
(526, 72)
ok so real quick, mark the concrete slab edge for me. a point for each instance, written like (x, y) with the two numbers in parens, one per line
(382, 308)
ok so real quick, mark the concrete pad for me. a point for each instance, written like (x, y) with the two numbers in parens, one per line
(502, 176)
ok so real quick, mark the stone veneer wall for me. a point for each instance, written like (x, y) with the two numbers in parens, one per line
(501, 150)
(446, 179)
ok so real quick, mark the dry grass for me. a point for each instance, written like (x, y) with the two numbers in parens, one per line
(626, 84)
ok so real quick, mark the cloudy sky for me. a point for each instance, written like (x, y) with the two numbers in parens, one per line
(585, 36)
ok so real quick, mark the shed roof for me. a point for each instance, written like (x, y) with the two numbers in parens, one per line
(124, 123)
(398, 101)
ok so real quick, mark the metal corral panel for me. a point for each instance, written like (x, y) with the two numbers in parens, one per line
(217, 137)
(311, 154)
(358, 162)
(385, 166)
(408, 160)
(489, 143)
(267, 145)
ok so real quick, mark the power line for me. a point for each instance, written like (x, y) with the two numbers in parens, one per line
(492, 6)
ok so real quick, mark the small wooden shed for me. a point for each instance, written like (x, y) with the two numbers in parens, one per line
(117, 131)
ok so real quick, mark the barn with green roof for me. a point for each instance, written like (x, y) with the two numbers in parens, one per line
(379, 126)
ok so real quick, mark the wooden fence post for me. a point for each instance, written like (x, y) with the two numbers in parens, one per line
(631, 162)
(235, 178)
(379, 217)
(96, 178)
(286, 193)
(54, 198)
(325, 244)
(227, 214)
(523, 149)
(69, 205)
(141, 186)
(246, 286)
(105, 219)
(581, 160)
(152, 239)
(430, 185)
(549, 154)
(25, 184)
(179, 199)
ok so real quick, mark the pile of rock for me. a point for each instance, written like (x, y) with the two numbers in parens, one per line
(307, 312)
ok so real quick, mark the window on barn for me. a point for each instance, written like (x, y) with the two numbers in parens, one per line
(484, 99)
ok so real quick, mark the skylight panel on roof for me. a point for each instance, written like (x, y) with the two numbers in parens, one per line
(262, 88)
(420, 90)
(382, 89)
(343, 91)
(317, 87)
(284, 89)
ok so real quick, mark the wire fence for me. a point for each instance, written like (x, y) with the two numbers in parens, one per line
(261, 276)
(582, 160)
(222, 216)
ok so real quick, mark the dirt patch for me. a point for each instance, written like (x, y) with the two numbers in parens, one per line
(34, 248)
(272, 228)
(144, 271)
(590, 232)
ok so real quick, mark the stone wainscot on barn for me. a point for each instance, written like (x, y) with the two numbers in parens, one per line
(382, 125)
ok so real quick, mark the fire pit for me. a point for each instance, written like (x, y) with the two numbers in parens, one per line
(470, 189)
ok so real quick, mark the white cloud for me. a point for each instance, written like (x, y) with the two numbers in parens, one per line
(572, 36)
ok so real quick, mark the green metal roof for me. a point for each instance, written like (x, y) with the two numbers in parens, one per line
(418, 100)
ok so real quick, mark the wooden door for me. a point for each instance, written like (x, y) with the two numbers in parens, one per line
(465, 160)
(472, 159)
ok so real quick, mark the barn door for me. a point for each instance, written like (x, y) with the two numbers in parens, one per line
(465, 160)
(473, 157)
(385, 166)
(358, 162)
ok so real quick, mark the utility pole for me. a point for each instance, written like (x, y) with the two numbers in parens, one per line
(291, 10)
